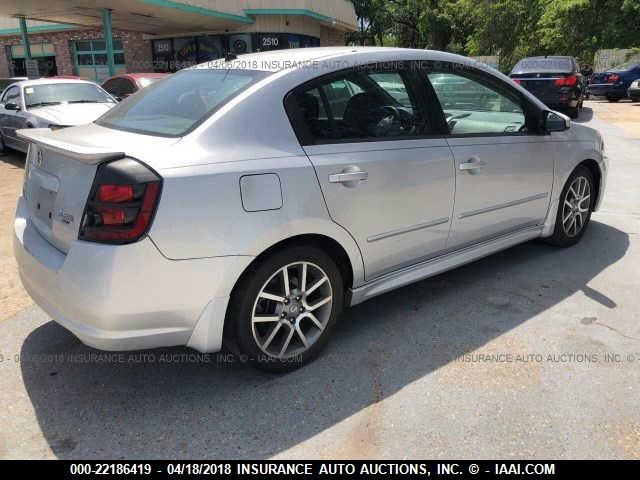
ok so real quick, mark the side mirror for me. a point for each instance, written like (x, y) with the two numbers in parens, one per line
(12, 106)
(556, 122)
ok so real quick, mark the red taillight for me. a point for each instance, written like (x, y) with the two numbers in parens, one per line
(111, 215)
(569, 81)
(120, 211)
(115, 193)
(613, 78)
(517, 81)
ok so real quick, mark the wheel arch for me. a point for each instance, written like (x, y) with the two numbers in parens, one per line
(595, 170)
(328, 244)
(598, 176)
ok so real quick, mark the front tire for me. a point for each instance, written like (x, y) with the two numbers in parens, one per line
(283, 311)
(574, 209)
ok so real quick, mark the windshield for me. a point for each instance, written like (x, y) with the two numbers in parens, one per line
(178, 104)
(543, 65)
(57, 93)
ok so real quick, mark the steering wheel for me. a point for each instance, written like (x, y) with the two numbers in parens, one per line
(398, 117)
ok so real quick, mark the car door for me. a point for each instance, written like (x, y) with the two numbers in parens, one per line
(503, 164)
(4, 114)
(11, 118)
(385, 177)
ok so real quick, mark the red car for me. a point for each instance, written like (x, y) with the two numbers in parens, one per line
(121, 86)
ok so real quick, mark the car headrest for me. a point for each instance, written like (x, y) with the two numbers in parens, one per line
(310, 106)
(363, 110)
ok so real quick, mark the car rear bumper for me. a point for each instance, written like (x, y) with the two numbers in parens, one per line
(559, 100)
(126, 297)
(607, 90)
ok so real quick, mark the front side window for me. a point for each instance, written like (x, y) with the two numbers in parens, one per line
(57, 93)
(474, 107)
(178, 104)
(361, 105)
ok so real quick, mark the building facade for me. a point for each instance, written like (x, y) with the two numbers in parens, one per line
(164, 36)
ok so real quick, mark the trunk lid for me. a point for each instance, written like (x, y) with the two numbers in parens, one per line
(539, 82)
(598, 78)
(59, 171)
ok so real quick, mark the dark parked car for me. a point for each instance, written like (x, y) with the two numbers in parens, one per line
(121, 86)
(614, 83)
(556, 81)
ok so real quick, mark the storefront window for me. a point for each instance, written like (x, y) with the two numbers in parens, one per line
(91, 58)
(44, 53)
(172, 54)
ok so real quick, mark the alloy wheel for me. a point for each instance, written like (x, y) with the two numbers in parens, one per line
(577, 203)
(292, 310)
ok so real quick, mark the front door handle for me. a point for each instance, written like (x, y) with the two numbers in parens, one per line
(349, 177)
(474, 163)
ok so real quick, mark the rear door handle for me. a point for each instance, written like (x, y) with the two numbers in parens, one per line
(474, 163)
(349, 177)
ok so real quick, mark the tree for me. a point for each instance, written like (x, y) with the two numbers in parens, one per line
(511, 29)
(373, 19)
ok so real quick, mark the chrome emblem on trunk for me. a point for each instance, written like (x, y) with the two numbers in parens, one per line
(65, 217)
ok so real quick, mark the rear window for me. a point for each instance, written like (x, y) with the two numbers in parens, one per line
(177, 105)
(543, 65)
(625, 66)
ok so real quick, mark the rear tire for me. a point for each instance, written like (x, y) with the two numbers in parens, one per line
(279, 326)
(574, 209)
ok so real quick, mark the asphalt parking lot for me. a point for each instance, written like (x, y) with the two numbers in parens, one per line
(531, 353)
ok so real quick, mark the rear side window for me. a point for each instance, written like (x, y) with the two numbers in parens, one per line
(361, 105)
(177, 105)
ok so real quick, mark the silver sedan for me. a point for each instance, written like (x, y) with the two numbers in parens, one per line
(249, 200)
(51, 103)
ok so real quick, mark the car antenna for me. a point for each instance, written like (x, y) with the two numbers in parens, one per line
(228, 56)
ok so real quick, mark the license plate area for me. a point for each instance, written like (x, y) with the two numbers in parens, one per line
(44, 204)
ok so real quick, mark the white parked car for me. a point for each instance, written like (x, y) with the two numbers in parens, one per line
(248, 201)
(50, 103)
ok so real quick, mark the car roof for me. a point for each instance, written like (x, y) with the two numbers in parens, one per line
(45, 81)
(278, 60)
(136, 76)
(299, 58)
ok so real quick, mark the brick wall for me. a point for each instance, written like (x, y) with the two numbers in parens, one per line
(137, 52)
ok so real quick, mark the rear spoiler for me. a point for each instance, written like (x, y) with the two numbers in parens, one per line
(46, 138)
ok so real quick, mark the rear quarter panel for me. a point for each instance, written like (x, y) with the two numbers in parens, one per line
(201, 213)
